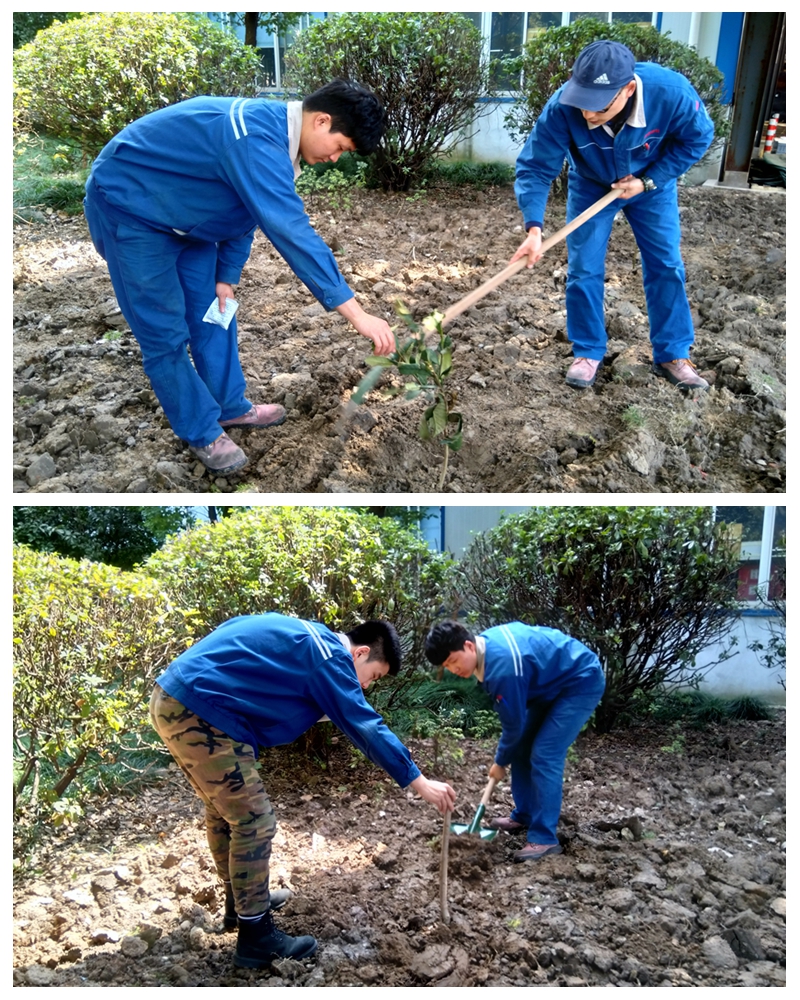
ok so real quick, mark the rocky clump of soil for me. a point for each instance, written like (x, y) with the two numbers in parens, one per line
(86, 420)
(673, 874)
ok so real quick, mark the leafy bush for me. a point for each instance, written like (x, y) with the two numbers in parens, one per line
(84, 80)
(427, 69)
(331, 564)
(463, 173)
(121, 536)
(88, 641)
(647, 588)
(46, 175)
(333, 183)
(27, 25)
(546, 63)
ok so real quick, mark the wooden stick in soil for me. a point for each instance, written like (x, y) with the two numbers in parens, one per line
(443, 870)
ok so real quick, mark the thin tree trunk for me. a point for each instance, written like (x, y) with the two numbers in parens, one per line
(250, 29)
(69, 775)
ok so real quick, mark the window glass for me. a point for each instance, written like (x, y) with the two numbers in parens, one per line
(643, 19)
(475, 18)
(506, 42)
(539, 22)
(592, 13)
(747, 527)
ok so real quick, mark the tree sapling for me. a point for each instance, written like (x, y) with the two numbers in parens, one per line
(426, 369)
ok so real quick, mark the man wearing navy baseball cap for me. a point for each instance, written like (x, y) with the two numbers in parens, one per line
(635, 127)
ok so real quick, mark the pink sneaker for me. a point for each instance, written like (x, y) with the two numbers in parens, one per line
(259, 415)
(222, 455)
(583, 372)
(681, 373)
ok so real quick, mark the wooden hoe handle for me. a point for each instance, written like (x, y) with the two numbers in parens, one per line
(512, 269)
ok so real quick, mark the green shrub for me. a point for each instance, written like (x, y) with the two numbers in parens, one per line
(88, 641)
(331, 183)
(647, 588)
(47, 174)
(463, 173)
(546, 63)
(427, 69)
(330, 564)
(83, 81)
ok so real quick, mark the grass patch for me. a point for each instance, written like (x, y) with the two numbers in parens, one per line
(48, 174)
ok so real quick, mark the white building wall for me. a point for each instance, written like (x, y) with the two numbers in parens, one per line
(744, 673)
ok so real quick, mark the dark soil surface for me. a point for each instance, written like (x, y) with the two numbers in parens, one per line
(673, 874)
(87, 421)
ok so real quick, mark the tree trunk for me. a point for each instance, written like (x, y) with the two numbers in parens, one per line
(69, 775)
(250, 29)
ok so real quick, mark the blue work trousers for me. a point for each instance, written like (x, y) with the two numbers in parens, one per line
(164, 284)
(653, 217)
(537, 766)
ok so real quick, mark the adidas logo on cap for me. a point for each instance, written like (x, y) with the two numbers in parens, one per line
(601, 79)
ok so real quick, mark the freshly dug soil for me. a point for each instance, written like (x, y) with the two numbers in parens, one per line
(86, 419)
(673, 874)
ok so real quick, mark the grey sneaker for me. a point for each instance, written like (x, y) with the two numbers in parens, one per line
(259, 415)
(583, 372)
(681, 373)
(533, 852)
(222, 455)
(506, 823)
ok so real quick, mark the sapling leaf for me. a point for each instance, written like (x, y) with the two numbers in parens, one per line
(367, 384)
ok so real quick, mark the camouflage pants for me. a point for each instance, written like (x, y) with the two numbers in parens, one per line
(240, 822)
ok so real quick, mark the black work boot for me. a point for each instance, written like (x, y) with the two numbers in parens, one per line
(260, 942)
(277, 899)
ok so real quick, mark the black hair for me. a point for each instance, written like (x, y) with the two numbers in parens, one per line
(355, 112)
(383, 642)
(444, 639)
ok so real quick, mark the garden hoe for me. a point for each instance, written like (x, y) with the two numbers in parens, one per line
(512, 269)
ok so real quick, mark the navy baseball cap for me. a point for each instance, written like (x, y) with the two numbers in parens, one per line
(601, 70)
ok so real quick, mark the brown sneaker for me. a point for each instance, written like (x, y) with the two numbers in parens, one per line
(259, 415)
(222, 455)
(583, 372)
(506, 823)
(681, 373)
(532, 852)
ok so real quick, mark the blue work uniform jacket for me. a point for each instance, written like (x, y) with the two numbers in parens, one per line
(524, 663)
(212, 169)
(672, 132)
(265, 679)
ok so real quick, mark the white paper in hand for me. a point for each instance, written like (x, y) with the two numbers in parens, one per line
(213, 315)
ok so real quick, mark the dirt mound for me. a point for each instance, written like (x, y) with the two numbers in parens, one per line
(673, 874)
(86, 419)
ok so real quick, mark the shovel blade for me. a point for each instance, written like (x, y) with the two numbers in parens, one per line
(459, 828)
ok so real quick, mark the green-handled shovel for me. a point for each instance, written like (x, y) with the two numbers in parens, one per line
(475, 825)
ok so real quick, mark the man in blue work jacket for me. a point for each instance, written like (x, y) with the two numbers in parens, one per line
(172, 205)
(545, 686)
(635, 127)
(263, 680)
